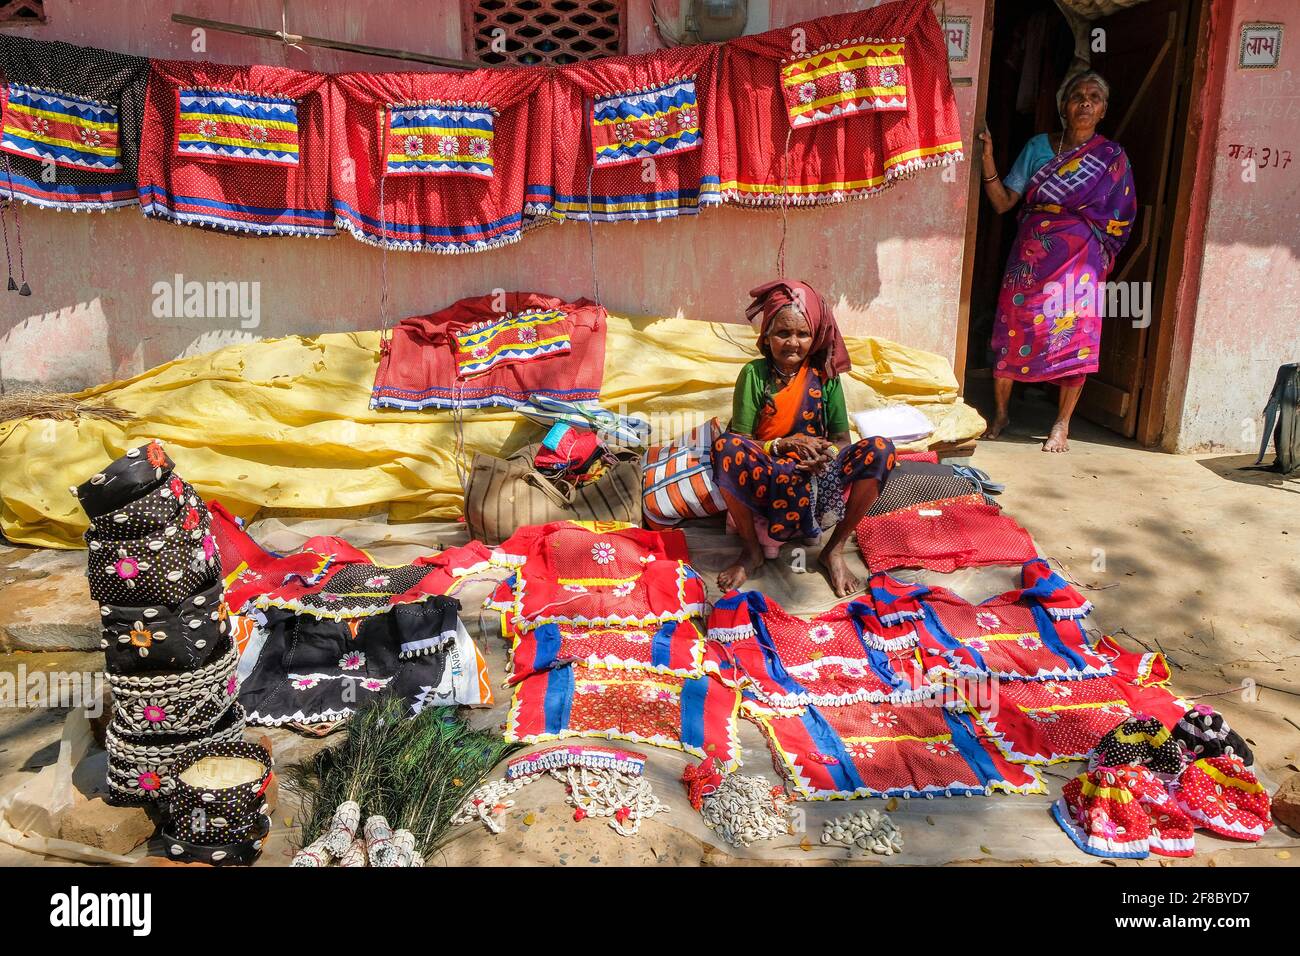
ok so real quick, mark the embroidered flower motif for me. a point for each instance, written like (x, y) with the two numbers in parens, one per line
(807, 92)
(638, 637)
(373, 684)
(659, 127)
(90, 137)
(329, 597)
(479, 148)
(1057, 689)
(232, 685)
(175, 487)
(941, 748)
(1029, 642)
(854, 670)
(889, 76)
(977, 645)
(207, 128)
(848, 82)
(156, 457)
(686, 118)
(575, 589)
(448, 146)
(602, 552)
(413, 145)
(191, 519)
(148, 781)
(624, 589)
(624, 132)
(1043, 716)
(127, 568)
(886, 718)
(988, 620)
(304, 683)
(863, 751)
(353, 661)
(821, 634)
(209, 547)
(142, 637)
(481, 352)
(527, 334)
(257, 134)
(591, 688)
(41, 126)
(154, 713)
(378, 581)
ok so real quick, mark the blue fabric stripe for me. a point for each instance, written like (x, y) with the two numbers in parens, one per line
(66, 189)
(25, 96)
(597, 201)
(940, 633)
(285, 111)
(662, 645)
(448, 165)
(559, 699)
(644, 105)
(170, 198)
(204, 148)
(680, 141)
(439, 232)
(1047, 631)
(694, 693)
(96, 160)
(963, 736)
(461, 119)
(828, 743)
(775, 667)
(548, 646)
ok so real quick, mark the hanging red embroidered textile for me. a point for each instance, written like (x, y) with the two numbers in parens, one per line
(437, 161)
(241, 148)
(943, 535)
(330, 578)
(633, 137)
(885, 750)
(597, 573)
(836, 108)
(493, 350)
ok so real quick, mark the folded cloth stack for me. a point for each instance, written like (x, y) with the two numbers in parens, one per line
(218, 813)
(154, 570)
(1148, 790)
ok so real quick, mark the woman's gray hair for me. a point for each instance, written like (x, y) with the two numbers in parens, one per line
(1090, 76)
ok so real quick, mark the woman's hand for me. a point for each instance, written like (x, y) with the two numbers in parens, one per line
(986, 153)
(813, 453)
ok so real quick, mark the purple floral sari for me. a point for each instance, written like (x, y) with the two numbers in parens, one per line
(1077, 216)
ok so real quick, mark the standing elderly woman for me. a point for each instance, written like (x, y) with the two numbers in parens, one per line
(786, 457)
(1078, 213)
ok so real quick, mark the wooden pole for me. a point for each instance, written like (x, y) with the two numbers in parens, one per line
(323, 42)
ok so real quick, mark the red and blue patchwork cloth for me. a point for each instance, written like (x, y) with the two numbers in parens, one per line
(889, 750)
(1123, 812)
(1030, 633)
(73, 109)
(239, 148)
(439, 139)
(696, 715)
(518, 337)
(837, 658)
(672, 647)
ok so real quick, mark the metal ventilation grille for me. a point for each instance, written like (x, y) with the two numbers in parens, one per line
(22, 11)
(542, 31)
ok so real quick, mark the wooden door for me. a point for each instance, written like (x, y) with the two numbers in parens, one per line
(1144, 62)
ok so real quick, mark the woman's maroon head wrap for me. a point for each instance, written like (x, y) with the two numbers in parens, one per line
(828, 354)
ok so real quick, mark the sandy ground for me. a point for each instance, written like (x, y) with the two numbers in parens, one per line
(1192, 556)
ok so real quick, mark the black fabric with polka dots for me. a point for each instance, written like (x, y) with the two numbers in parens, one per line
(219, 815)
(126, 479)
(1204, 732)
(155, 638)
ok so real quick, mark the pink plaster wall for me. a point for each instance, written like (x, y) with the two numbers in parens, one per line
(892, 263)
(1245, 322)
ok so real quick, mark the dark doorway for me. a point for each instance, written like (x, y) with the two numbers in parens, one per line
(1146, 54)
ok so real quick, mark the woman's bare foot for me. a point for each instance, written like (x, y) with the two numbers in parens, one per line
(747, 562)
(998, 427)
(1058, 439)
(843, 581)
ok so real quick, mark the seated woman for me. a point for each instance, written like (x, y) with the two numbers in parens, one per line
(786, 456)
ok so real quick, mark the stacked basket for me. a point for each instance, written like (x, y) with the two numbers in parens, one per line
(155, 573)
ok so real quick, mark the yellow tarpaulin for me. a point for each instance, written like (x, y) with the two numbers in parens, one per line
(285, 424)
